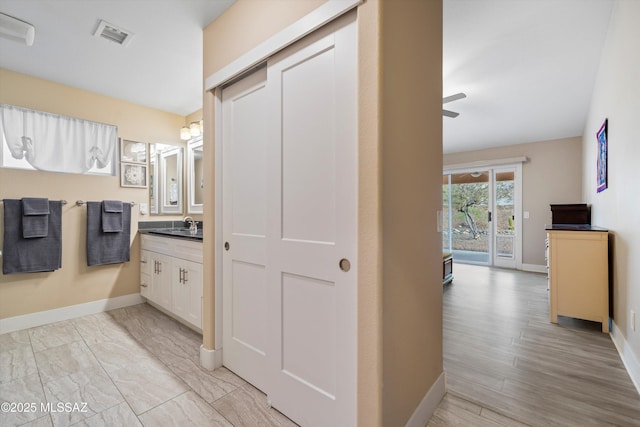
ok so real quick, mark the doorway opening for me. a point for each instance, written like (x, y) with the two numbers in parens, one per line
(481, 215)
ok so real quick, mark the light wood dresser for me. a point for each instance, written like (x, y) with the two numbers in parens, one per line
(578, 262)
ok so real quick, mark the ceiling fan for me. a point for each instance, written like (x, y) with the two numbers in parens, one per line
(448, 113)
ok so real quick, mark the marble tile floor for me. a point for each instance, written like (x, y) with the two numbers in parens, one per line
(132, 366)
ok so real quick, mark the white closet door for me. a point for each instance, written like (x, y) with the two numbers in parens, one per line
(244, 133)
(312, 225)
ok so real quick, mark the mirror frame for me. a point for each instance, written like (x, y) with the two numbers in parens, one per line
(165, 207)
(154, 164)
(194, 144)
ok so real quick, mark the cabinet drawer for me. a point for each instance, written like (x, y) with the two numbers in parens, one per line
(177, 248)
(191, 251)
(156, 244)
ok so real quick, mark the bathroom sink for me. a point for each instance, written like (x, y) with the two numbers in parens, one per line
(178, 232)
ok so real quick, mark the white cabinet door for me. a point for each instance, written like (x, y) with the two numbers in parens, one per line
(187, 291)
(312, 226)
(160, 266)
(244, 228)
(169, 280)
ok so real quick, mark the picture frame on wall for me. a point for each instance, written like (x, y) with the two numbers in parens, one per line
(603, 154)
(133, 175)
(133, 151)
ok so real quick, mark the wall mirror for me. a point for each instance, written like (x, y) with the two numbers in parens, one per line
(195, 177)
(166, 179)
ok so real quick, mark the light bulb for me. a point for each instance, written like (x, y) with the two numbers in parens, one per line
(194, 129)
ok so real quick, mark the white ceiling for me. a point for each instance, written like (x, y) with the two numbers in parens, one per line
(161, 68)
(527, 66)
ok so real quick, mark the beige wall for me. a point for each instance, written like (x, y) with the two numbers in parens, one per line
(617, 97)
(411, 124)
(391, 72)
(552, 175)
(370, 264)
(76, 283)
(225, 42)
(193, 117)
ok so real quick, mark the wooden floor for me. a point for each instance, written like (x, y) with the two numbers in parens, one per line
(507, 365)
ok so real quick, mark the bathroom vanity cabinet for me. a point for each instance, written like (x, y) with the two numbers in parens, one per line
(171, 277)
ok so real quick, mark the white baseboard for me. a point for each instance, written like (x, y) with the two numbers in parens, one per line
(40, 318)
(210, 359)
(626, 354)
(429, 403)
(535, 268)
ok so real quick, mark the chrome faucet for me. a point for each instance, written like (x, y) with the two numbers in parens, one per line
(193, 226)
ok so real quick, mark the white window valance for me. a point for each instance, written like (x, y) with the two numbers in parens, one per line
(55, 143)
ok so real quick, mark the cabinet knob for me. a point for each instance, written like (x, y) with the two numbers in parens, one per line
(226, 246)
(143, 285)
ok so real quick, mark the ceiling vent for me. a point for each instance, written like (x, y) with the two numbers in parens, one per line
(113, 33)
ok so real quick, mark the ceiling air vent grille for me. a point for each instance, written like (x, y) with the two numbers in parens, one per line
(113, 33)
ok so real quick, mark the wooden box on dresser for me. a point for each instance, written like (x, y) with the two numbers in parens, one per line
(578, 263)
(171, 277)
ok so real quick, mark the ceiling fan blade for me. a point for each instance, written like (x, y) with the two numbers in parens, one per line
(453, 97)
(451, 114)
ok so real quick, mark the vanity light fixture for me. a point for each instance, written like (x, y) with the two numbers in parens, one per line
(191, 131)
(194, 129)
(185, 133)
(16, 30)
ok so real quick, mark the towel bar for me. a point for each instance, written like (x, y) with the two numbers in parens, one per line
(82, 202)
(64, 202)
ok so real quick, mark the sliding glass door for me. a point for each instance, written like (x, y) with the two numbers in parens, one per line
(504, 221)
(480, 211)
(466, 203)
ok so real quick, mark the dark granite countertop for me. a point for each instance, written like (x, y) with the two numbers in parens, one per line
(573, 227)
(177, 233)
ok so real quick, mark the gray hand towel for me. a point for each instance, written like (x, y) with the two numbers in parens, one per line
(111, 216)
(21, 255)
(35, 217)
(107, 248)
(35, 206)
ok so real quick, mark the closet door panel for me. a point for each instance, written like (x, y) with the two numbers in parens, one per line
(289, 195)
(312, 226)
(309, 149)
(244, 214)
